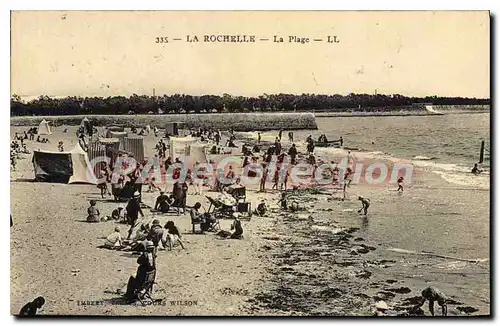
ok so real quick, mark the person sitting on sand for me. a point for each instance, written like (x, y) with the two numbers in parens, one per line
(155, 235)
(172, 235)
(30, 309)
(236, 226)
(140, 235)
(118, 213)
(152, 185)
(60, 146)
(162, 203)
(93, 212)
(365, 202)
(283, 202)
(38, 140)
(195, 213)
(433, 294)
(114, 240)
(476, 170)
(261, 208)
(146, 264)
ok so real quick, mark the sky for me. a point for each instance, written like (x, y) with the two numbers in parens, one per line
(79, 53)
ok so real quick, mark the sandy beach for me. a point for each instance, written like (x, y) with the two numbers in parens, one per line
(324, 260)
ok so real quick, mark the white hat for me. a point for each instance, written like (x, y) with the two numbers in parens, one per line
(381, 305)
(137, 194)
(236, 214)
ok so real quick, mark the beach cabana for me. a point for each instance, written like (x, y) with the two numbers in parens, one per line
(44, 128)
(64, 167)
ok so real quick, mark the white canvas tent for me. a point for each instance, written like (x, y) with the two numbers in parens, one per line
(44, 128)
(177, 146)
(84, 122)
(70, 167)
(195, 153)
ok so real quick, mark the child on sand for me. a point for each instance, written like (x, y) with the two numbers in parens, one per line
(172, 236)
(93, 212)
(114, 240)
(365, 202)
(282, 201)
(433, 294)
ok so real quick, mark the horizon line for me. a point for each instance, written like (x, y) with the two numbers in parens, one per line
(239, 95)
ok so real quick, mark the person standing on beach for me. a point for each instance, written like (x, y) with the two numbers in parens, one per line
(276, 178)
(341, 141)
(280, 133)
(400, 184)
(133, 210)
(258, 137)
(263, 178)
(290, 137)
(365, 202)
(293, 154)
(310, 146)
(217, 137)
(277, 147)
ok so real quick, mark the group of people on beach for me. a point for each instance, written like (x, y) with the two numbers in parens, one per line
(150, 237)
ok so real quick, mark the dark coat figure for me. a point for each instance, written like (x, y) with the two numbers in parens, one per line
(146, 264)
(293, 153)
(310, 146)
(238, 230)
(133, 210)
(162, 203)
(30, 309)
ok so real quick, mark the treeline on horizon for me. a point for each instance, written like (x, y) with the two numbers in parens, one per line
(181, 103)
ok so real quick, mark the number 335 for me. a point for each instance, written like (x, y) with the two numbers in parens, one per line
(161, 40)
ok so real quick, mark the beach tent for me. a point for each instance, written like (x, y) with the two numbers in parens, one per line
(44, 128)
(84, 122)
(195, 153)
(115, 128)
(65, 167)
(104, 147)
(134, 145)
(177, 146)
(172, 129)
(117, 134)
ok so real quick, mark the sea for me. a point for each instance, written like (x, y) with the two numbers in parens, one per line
(447, 213)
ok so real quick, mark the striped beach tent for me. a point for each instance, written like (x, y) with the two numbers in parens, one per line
(94, 151)
(134, 145)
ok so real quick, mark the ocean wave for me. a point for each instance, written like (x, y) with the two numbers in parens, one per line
(424, 158)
